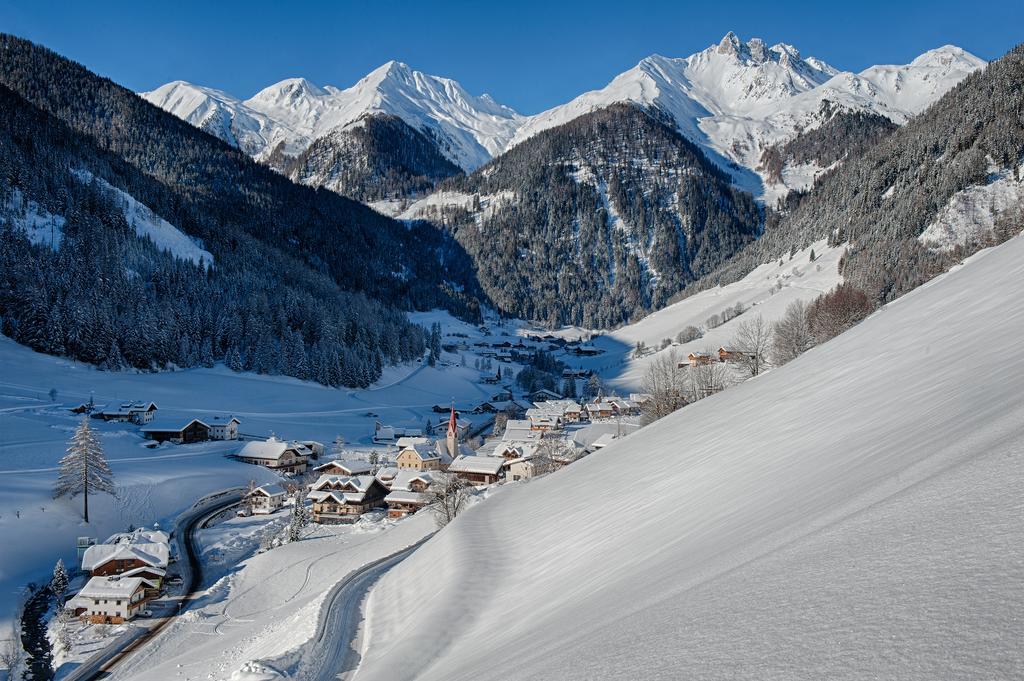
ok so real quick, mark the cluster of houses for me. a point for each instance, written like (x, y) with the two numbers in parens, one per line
(179, 430)
(724, 354)
(125, 572)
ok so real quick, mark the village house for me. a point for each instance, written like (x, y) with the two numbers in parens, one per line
(342, 499)
(266, 499)
(421, 456)
(733, 355)
(283, 457)
(316, 449)
(478, 470)
(110, 600)
(521, 469)
(517, 430)
(387, 475)
(543, 395)
(181, 432)
(141, 560)
(139, 413)
(387, 434)
(600, 410)
(224, 428)
(409, 493)
(345, 468)
(543, 420)
(511, 451)
(696, 359)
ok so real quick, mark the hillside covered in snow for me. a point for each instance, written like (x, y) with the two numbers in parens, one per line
(853, 514)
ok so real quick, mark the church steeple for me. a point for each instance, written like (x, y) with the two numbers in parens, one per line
(453, 432)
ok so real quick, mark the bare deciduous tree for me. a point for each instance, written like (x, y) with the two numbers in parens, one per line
(665, 382)
(706, 379)
(449, 496)
(11, 655)
(690, 333)
(791, 335)
(753, 340)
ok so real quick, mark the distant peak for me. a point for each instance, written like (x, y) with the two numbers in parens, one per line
(729, 44)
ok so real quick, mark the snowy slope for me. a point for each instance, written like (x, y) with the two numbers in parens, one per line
(766, 291)
(735, 99)
(854, 514)
(294, 112)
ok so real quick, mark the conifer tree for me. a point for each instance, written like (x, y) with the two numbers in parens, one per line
(300, 517)
(59, 582)
(84, 469)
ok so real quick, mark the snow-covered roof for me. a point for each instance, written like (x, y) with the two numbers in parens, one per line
(484, 465)
(603, 441)
(347, 467)
(271, 490)
(387, 473)
(151, 554)
(222, 420)
(171, 425)
(147, 570)
(409, 440)
(139, 536)
(272, 448)
(406, 497)
(425, 451)
(518, 450)
(358, 483)
(406, 477)
(112, 587)
(520, 431)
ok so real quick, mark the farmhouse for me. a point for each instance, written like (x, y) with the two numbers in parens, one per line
(224, 428)
(511, 451)
(520, 431)
(733, 355)
(385, 434)
(104, 560)
(345, 468)
(276, 455)
(522, 469)
(181, 431)
(266, 499)
(387, 475)
(112, 600)
(133, 412)
(544, 395)
(696, 359)
(478, 470)
(419, 457)
(543, 420)
(342, 499)
(409, 493)
(600, 410)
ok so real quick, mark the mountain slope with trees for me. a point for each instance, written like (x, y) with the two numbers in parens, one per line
(597, 221)
(305, 282)
(882, 201)
(379, 157)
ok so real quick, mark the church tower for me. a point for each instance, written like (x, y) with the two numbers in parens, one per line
(453, 433)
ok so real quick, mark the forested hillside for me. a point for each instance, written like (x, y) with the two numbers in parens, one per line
(597, 221)
(380, 157)
(304, 282)
(882, 201)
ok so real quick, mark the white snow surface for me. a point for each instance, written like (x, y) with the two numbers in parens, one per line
(39, 225)
(469, 130)
(971, 213)
(146, 223)
(855, 514)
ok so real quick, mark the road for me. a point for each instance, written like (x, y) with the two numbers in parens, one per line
(102, 664)
(334, 650)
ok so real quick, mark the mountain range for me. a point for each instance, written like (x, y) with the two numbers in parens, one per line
(734, 100)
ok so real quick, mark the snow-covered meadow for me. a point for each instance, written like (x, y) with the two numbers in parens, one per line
(854, 514)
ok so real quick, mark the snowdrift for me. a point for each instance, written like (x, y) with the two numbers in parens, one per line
(855, 514)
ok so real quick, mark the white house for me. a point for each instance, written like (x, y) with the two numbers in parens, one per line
(478, 470)
(110, 599)
(286, 457)
(223, 427)
(521, 469)
(135, 412)
(267, 499)
(349, 468)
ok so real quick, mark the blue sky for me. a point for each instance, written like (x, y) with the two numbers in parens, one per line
(529, 55)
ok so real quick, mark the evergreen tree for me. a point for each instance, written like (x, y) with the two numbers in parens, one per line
(84, 468)
(235, 360)
(59, 582)
(300, 517)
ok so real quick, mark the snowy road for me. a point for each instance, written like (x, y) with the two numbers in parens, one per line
(101, 664)
(334, 650)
